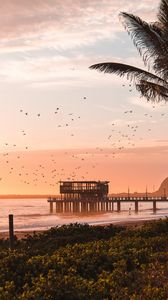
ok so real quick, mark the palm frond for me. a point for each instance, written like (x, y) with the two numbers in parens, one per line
(151, 40)
(163, 13)
(158, 28)
(147, 38)
(152, 91)
(132, 73)
(161, 66)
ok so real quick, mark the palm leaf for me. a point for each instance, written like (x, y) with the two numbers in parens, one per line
(151, 40)
(152, 91)
(146, 38)
(132, 73)
(158, 28)
(161, 66)
(163, 13)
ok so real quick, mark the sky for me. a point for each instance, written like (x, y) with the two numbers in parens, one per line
(59, 120)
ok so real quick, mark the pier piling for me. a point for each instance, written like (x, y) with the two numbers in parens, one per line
(118, 206)
(51, 207)
(154, 206)
(136, 206)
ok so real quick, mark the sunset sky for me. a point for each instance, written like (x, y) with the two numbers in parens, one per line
(59, 119)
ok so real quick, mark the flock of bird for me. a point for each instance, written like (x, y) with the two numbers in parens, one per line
(49, 172)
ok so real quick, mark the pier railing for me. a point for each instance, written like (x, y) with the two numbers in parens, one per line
(146, 198)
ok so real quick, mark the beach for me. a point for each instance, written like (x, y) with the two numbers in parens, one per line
(134, 224)
(33, 215)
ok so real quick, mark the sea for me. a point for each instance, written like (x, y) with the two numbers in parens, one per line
(34, 214)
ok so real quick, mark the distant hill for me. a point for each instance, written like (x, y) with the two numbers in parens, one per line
(163, 190)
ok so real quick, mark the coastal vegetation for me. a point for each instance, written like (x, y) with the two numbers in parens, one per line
(151, 40)
(87, 262)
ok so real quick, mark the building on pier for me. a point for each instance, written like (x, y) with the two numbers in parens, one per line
(84, 190)
(92, 196)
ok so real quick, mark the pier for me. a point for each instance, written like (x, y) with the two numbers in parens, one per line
(111, 204)
(92, 197)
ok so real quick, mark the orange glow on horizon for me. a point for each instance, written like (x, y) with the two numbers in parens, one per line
(38, 172)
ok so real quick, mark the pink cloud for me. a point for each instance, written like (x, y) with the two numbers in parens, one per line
(57, 23)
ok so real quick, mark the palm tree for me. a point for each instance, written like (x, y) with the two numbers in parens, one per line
(151, 40)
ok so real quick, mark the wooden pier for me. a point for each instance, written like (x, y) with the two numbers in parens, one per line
(109, 204)
(93, 197)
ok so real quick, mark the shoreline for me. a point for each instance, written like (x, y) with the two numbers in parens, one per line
(24, 233)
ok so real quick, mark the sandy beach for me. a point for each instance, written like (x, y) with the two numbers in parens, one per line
(23, 234)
